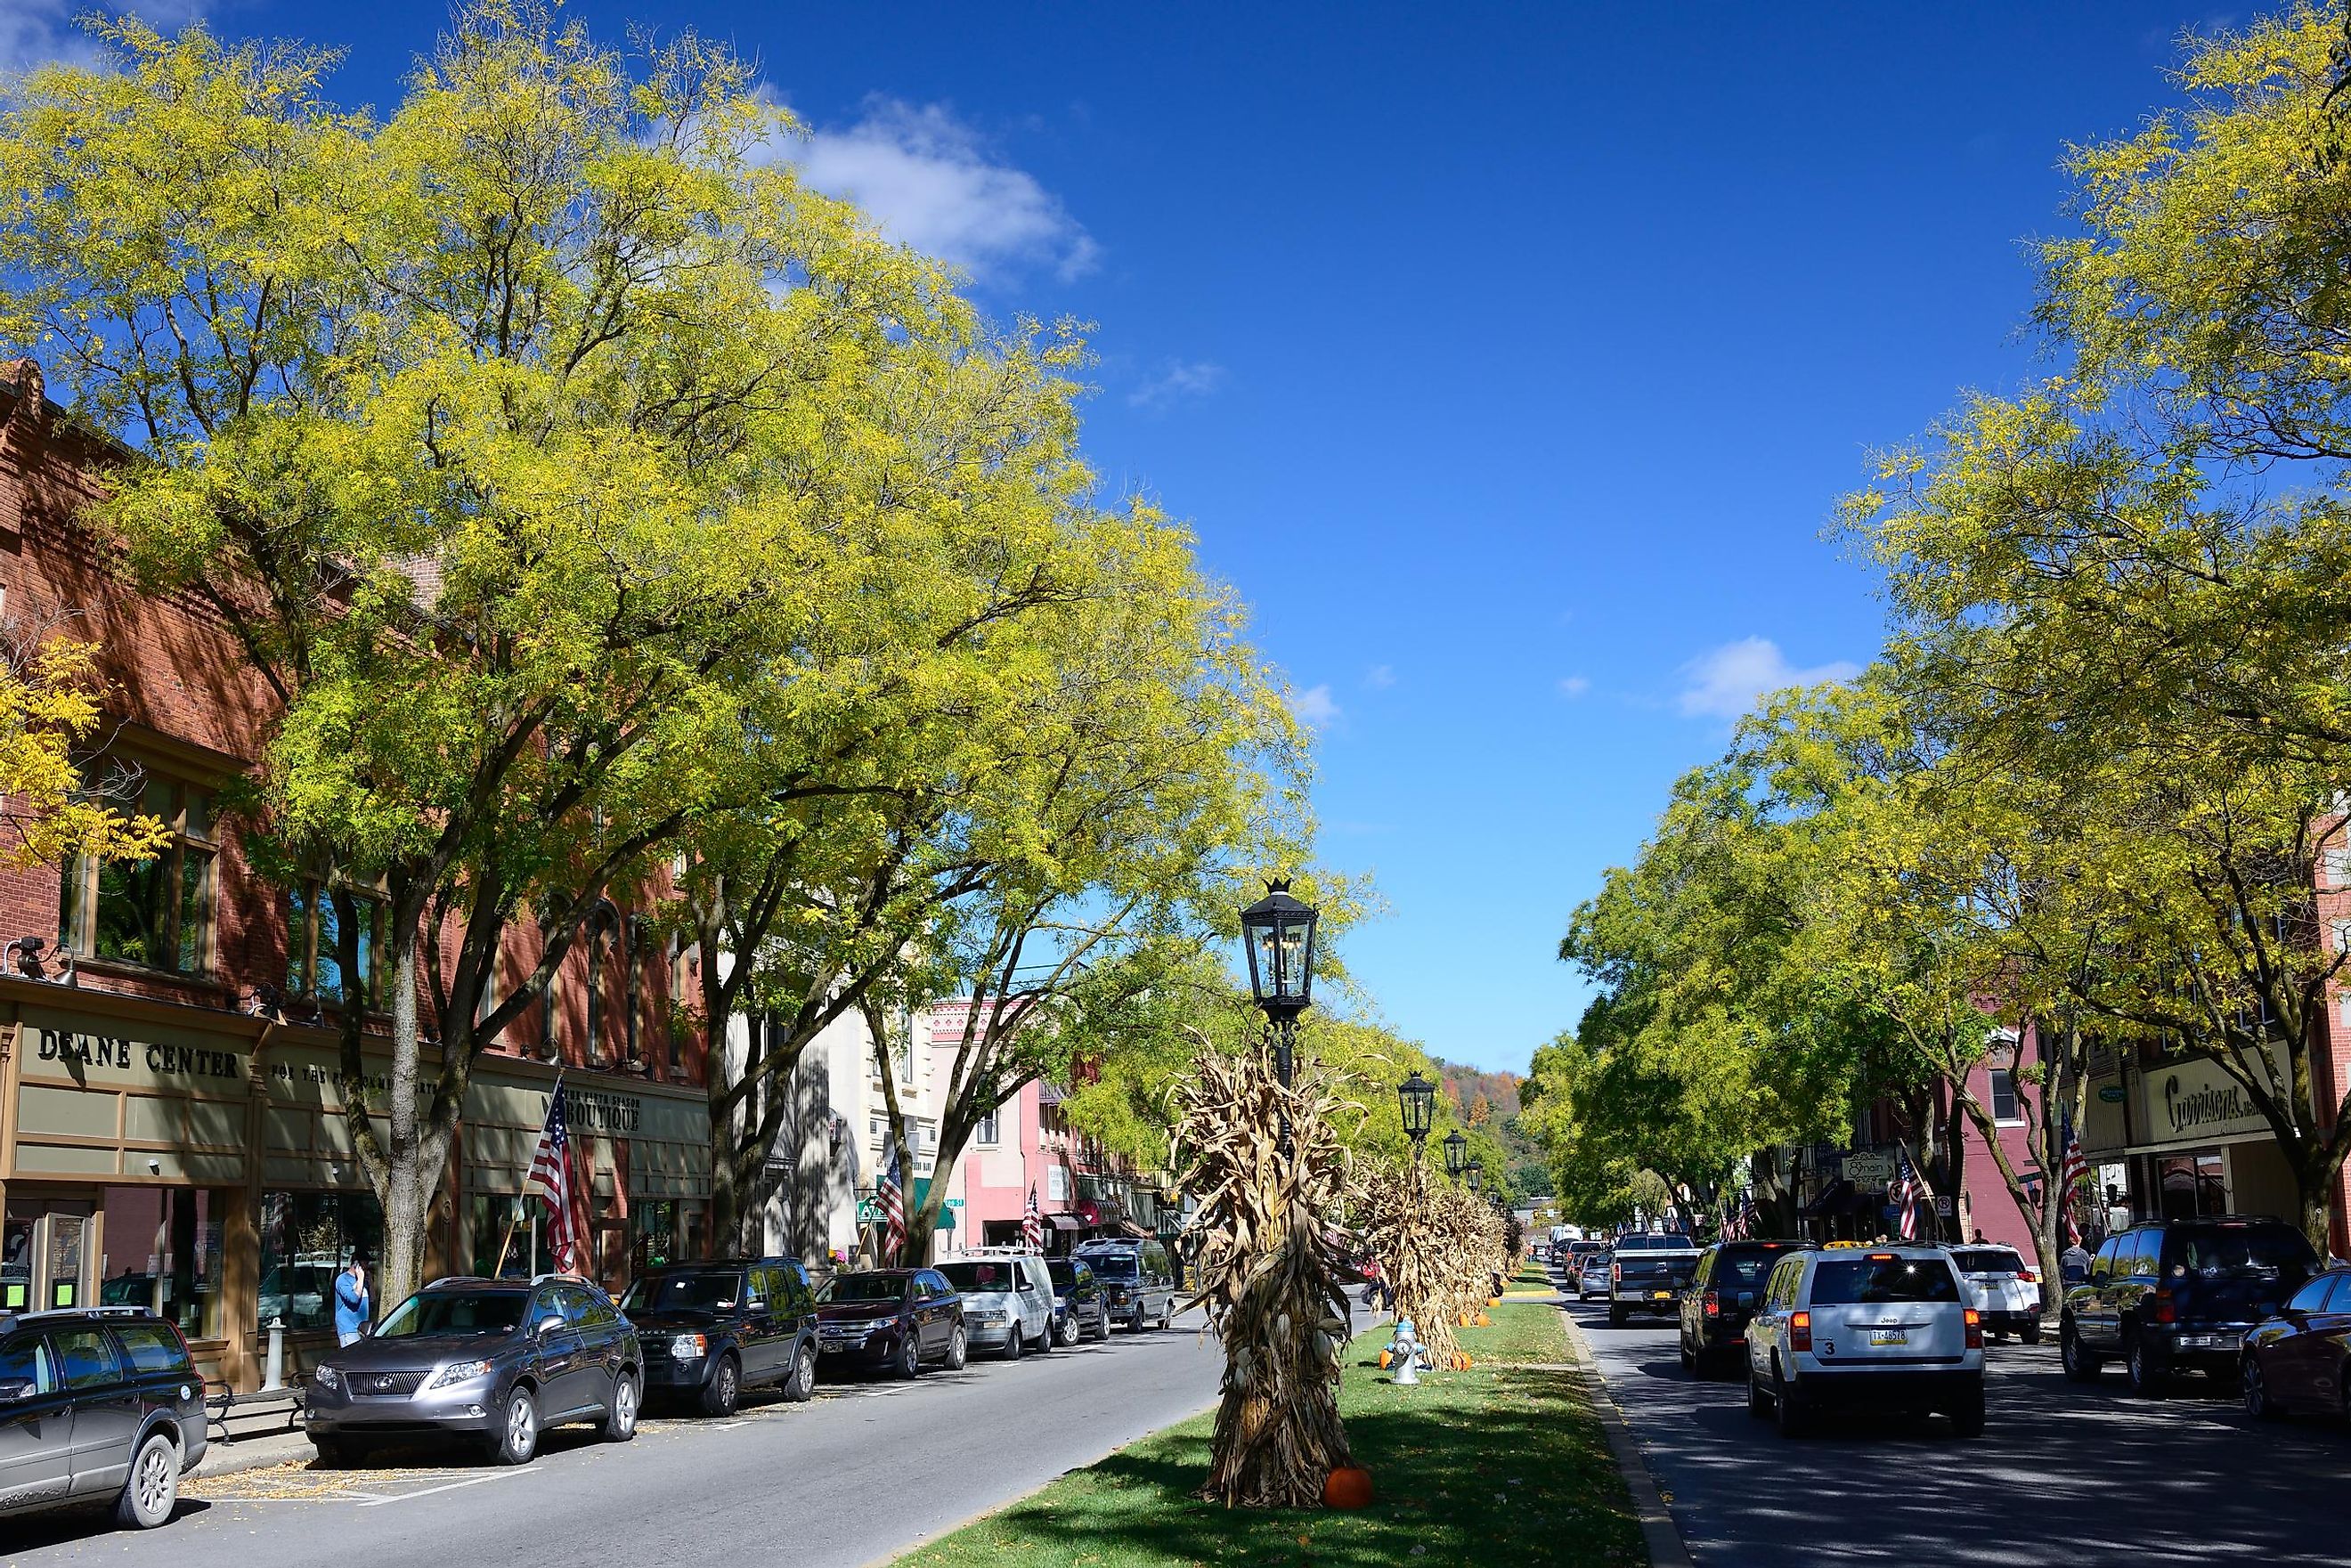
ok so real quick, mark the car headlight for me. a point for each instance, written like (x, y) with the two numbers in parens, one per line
(328, 1377)
(462, 1372)
(687, 1347)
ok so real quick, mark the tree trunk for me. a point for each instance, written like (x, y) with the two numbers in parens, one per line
(406, 1191)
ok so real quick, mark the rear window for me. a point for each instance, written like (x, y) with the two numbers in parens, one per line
(1746, 1268)
(1113, 1265)
(2241, 1252)
(1654, 1244)
(1987, 1260)
(1860, 1281)
(152, 1347)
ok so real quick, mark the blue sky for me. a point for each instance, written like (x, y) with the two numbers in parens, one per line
(1507, 360)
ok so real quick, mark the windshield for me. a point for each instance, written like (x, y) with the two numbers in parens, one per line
(1113, 1265)
(980, 1276)
(1987, 1260)
(1860, 1281)
(454, 1311)
(863, 1288)
(2241, 1252)
(700, 1293)
(1064, 1272)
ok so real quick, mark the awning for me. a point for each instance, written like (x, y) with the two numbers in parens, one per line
(1050, 1093)
(1064, 1222)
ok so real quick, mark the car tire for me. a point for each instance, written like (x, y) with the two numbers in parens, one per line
(2145, 1372)
(1795, 1420)
(1011, 1351)
(1616, 1316)
(2029, 1334)
(1968, 1421)
(1759, 1403)
(1689, 1357)
(800, 1386)
(620, 1422)
(340, 1453)
(723, 1392)
(1045, 1341)
(1134, 1324)
(2081, 1363)
(2255, 1390)
(1101, 1325)
(1069, 1334)
(958, 1350)
(909, 1361)
(517, 1437)
(152, 1490)
(1166, 1314)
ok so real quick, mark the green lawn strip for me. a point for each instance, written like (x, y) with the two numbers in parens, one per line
(1467, 1467)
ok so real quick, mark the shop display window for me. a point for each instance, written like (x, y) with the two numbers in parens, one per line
(307, 1238)
(162, 1251)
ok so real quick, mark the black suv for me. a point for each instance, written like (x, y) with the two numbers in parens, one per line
(2181, 1294)
(712, 1330)
(496, 1361)
(1721, 1297)
(94, 1404)
(1080, 1306)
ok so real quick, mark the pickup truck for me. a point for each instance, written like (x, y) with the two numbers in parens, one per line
(1649, 1275)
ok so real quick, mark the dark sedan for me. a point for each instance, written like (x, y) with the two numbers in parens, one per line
(2300, 1361)
(1722, 1298)
(1081, 1305)
(489, 1361)
(712, 1330)
(892, 1319)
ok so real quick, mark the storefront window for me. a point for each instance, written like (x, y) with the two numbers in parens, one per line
(307, 1238)
(652, 1235)
(2191, 1186)
(509, 1235)
(164, 1253)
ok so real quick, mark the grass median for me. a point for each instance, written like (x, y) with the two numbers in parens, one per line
(1504, 1461)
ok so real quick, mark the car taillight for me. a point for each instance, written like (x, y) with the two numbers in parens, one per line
(1713, 1305)
(1799, 1331)
(2027, 1276)
(1975, 1329)
(2166, 1311)
(1616, 1273)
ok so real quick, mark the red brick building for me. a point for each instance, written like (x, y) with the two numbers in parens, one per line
(162, 1141)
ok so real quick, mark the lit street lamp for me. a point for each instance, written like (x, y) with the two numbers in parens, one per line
(1457, 1152)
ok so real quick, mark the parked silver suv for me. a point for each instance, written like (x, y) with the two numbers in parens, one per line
(97, 1403)
(1007, 1301)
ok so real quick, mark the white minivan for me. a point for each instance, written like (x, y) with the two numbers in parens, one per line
(1865, 1327)
(1007, 1301)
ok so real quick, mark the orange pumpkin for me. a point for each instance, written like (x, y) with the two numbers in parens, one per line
(1348, 1486)
(1383, 1360)
(1483, 1320)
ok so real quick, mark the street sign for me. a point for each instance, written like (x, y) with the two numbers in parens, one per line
(2113, 1094)
(1869, 1171)
(1944, 1207)
(955, 1203)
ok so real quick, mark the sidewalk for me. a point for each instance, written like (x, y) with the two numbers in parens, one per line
(251, 1449)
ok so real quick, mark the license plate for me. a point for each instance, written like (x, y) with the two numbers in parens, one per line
(1889, 1336)
(1662, 1295)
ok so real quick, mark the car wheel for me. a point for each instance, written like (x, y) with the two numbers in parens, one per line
(1616, 1316)
(620, 1417)
(2081, 1365)
(340, 1453)
(1069, 1334)
(1167, 1313)
(1045, 1341)
(910, 1358)
(723, 1392)
(1795, 1421)
(152, 1487)
(958, 1350)
(1101, 1325)
(1759, 1403)
(2029, 1334)
(518, 1437)
(1134, 1324)
(800, 1386)
(2256, 1391)
(1968, 1421)
(1011, 1351)
(2146, 1372)
(1689, 1360)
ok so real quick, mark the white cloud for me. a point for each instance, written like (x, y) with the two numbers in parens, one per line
(927, 179)
(39, 32)
(1572, 686)
(1380, 678)
(1724, 682)
(1177, 380)
(1316, 705)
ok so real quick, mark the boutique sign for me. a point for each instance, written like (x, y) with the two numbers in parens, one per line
(2197, 1101)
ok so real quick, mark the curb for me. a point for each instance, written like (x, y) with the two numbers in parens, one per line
(223, 1458)
(1658, 1532)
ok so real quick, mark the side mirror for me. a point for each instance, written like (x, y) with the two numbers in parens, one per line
(551, 1323)
(15, 1389)
(755, 1305)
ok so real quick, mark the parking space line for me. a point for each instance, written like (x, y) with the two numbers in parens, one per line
(451, 1486)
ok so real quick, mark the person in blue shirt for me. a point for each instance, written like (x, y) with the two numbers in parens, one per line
(351, 1305)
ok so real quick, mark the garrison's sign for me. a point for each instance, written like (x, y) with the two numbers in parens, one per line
(2193, 1100)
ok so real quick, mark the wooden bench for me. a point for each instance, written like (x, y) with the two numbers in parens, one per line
(223, 1404)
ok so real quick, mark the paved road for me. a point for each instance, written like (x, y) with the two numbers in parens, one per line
(2062, 1474)
(862, 1472)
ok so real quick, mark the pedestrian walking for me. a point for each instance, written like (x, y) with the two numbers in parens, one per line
(353, 1310)
(2073, 1263)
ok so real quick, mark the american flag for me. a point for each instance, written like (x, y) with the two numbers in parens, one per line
(1906, 1192)
(893, 1195)
(551, 1172)
(2072, 1175)
(1032, 1224)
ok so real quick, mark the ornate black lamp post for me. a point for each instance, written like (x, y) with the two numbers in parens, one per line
(1417, 1097)
(1456, 1153)
(1277, 936)
(1476, 1171)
